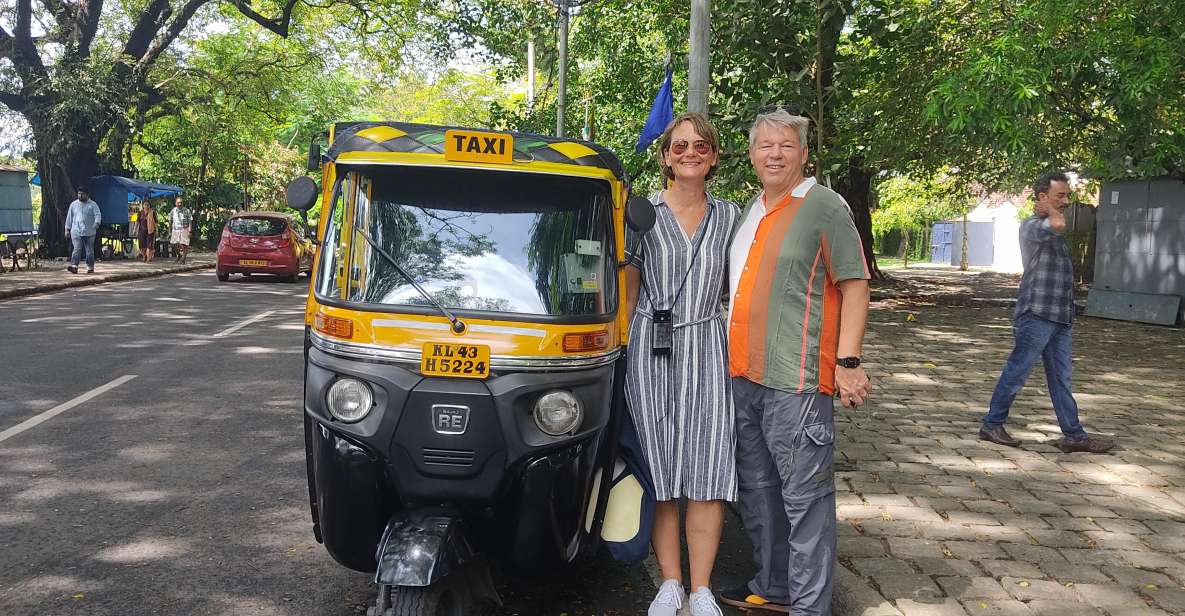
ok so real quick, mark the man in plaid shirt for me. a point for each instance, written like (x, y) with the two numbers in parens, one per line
(1041, 321)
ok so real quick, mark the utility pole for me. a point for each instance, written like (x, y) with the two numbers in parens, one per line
(531, 74)
(563, 89)
(698, 62)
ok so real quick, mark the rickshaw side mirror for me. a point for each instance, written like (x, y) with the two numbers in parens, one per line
(639, 214)
(301, 194)
(314, 162)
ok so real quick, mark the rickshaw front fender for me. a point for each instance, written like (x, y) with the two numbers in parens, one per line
(421, 546)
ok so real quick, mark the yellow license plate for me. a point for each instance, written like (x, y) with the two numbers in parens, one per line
(471, 361)
(472, 146)
(253, 262)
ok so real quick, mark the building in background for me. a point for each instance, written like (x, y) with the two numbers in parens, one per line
(1140, 261)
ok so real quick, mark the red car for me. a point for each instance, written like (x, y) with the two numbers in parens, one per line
(264, 243)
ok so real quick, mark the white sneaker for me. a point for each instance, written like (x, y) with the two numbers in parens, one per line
(703, 603)
(668, 600)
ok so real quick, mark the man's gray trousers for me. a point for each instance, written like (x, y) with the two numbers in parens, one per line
(785, 447)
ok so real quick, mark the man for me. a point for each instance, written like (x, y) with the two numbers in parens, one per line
(82, 221)
(798, 307)
(1041, 321)
(179, 222)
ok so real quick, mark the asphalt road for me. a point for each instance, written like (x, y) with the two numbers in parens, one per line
(180, 487)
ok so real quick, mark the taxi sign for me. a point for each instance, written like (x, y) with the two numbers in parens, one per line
(471, 146)
(456, 360)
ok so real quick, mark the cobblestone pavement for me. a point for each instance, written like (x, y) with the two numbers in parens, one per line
(938, 522)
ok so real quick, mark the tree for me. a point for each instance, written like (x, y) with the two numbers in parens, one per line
(1003, 91)
(911, 203)
(80, 72)
(229, 130)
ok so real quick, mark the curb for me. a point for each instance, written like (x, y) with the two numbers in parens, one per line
(87, 281)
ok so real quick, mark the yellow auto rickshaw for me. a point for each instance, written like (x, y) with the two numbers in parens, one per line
(464, 354)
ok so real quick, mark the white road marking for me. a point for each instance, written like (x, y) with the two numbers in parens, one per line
(63, 407)
(249, 320)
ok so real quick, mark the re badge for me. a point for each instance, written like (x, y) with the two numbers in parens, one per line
(478, 147)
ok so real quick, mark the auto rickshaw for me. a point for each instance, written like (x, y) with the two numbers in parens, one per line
(464, 354)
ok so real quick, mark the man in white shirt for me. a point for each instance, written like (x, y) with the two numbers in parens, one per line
(179, 226)
(82, 221)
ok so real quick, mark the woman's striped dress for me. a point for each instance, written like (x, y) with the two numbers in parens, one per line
(682, 402)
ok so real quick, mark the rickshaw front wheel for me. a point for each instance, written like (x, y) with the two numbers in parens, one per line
(447, 597)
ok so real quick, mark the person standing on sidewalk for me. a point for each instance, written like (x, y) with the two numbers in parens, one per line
(179, 221)
(82, 221)
(677, 386)
(1041, 321)
(798, 307)
(147, 231)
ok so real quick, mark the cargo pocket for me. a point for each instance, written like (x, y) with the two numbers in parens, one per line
(814, 461)
(821, 434)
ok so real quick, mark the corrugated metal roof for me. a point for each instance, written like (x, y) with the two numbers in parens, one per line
(14, 169)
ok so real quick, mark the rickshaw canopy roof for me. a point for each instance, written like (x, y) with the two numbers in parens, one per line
(404, 137)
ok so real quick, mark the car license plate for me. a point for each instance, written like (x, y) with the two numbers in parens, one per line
(470, 361)
(261, 262)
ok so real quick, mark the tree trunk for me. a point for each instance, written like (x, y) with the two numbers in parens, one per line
(66, 160)
(60, 178)
(905, 247)
(857, 190)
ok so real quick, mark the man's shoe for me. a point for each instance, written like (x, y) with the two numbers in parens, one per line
(997, 435)
(742, 597)
(703, 603)
(72, 269)
(668, 601)
(1088, 444)
(90, 270)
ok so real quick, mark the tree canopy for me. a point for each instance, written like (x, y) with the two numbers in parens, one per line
(222, 97)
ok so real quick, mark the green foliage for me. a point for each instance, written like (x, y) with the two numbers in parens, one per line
(915, 202)
(1005, 91)
(241, 117)
(452, 98)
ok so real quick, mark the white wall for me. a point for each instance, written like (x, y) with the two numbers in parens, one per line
(1006, 229)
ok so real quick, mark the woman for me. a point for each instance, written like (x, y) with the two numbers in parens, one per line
(146, 226)
(680, 397)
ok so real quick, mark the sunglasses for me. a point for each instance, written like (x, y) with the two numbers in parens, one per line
(701, 147)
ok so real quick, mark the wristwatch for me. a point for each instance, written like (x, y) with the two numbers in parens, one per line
(848, 362)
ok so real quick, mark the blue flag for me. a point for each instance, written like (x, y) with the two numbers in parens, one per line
(661, 114)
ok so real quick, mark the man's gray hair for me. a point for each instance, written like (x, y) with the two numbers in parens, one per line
(780, 118)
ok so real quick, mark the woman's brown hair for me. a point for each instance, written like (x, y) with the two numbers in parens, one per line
(703, 127)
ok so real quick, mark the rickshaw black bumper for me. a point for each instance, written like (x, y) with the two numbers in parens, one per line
(522, 494)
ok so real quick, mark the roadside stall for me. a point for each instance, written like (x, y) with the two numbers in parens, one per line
(115, 194)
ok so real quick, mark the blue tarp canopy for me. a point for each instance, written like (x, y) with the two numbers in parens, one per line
(113, 194)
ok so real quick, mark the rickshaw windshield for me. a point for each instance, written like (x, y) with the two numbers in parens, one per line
(528, 244)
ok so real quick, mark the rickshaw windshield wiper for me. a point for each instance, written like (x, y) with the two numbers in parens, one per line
(458, 325)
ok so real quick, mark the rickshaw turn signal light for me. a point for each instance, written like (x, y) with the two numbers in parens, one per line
(334, 326)
(584, 342)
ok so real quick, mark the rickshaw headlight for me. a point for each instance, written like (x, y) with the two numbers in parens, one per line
(558, 413)
(349, 400)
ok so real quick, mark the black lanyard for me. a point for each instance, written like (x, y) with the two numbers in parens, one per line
(690, 265)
